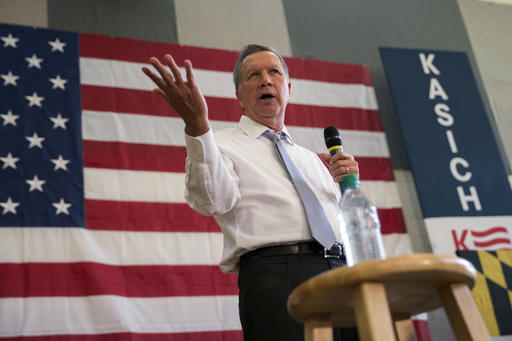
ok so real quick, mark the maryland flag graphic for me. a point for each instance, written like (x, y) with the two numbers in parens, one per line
(493, 288)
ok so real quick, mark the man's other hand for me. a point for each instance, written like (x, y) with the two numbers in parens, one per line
(183, 95)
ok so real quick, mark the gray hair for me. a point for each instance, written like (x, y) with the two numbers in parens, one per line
(250, 49)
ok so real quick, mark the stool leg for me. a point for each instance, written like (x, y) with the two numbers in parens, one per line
(372, 312)
(462, 312)
(317, 331)
(405, 330)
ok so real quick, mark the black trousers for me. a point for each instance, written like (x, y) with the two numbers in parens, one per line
(265, 284)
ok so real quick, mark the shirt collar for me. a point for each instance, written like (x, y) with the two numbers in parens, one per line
(254, 129)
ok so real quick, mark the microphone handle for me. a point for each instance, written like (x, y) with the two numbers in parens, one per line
(333, 150)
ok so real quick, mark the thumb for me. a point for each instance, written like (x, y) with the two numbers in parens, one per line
(326, 158)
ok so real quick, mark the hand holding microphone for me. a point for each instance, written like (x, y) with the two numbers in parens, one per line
(340, 163)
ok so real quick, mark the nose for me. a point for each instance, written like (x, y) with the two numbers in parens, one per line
(266, 80)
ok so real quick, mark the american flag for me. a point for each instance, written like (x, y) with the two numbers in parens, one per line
(96, 240)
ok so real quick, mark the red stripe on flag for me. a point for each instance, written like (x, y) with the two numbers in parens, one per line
(145, 216)
(225, 335)
(138, 51)
(131, 50)
(134, 156)
(81, 279)
(174, 217)
(422, 330)
(375, 168)
(98, 98)
(391, 220)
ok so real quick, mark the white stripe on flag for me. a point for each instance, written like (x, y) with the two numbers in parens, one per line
(132, 185)
(169, 131)
(119, 74)
(109, 247)
(396, 244)
(113, 314)
(149, 186)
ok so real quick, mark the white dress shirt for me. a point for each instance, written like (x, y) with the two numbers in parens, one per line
(237, 177)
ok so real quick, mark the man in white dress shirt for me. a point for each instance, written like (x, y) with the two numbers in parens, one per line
(237, 176)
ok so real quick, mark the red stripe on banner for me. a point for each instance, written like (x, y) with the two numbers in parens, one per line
(492, 242)
(490, 231)
(134, 156)
(131, 50)
(391, 220)
(144, 216)
(225, 335)
(99, 98)
(81, 279)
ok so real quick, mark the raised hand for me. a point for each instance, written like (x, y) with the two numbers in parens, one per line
(182, 95)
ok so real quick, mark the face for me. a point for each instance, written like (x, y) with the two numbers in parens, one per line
(264, 89)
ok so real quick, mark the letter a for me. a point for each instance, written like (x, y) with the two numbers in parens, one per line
(426, 64)
(436, 90)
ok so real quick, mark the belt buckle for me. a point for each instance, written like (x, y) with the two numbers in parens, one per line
(338, 256)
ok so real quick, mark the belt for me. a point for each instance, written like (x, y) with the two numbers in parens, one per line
(304, 248)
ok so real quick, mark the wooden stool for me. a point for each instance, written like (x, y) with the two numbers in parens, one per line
(379, 295)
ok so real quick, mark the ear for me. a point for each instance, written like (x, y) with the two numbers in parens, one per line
(239, 97)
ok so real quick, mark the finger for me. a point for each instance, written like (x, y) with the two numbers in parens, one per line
(166, 76)
(326, 158)
(157, 80)
(190, 73)
(340, 171)
(341, 156)
(160, 92)
(174, 68)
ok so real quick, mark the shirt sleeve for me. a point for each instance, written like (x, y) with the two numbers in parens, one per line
(211, 183)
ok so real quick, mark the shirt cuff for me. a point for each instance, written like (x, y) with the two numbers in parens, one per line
(201, 148)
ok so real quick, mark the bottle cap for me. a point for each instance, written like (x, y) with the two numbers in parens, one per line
(350, 181)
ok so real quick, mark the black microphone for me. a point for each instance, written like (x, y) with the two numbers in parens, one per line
(333, 142)
(332, 139)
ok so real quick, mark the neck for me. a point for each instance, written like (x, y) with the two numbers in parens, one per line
(274, 123)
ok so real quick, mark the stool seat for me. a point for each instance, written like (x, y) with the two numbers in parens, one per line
(376, 293)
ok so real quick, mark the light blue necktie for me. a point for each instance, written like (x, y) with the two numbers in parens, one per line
(318, 222)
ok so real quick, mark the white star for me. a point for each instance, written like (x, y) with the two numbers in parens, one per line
(9, 206)
(35, 183)
(9, 161)
(35, 141)
(57, 45)
(62, 207)
(58, 82)
(10, 41)
(9, 118)
(34, 61)
(60, 163)
(59, 121)
(35, 100)
(9, 78)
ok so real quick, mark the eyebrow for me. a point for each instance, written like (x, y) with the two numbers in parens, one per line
(251, 68)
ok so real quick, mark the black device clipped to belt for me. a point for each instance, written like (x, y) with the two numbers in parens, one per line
(310, 248)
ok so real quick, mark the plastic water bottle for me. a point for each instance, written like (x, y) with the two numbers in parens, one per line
(359, 224)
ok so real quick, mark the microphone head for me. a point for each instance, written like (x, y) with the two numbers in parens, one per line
(332, 137)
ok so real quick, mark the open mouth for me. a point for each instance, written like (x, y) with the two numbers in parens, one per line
(266, 96)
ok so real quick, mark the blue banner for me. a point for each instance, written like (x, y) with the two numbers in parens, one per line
(453, 153)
